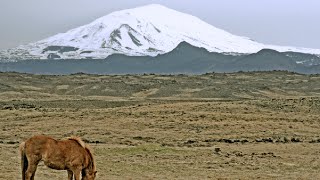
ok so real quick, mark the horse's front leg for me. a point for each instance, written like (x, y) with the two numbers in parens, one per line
(70, 175)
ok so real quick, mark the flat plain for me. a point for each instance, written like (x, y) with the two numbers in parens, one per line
(259, 125)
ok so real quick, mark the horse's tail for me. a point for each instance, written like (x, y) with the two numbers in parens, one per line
(24, 160)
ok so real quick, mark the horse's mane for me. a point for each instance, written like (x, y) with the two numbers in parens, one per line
(92, 165)
(88, 149)
(78, 140)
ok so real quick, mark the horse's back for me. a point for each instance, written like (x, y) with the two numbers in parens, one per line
(39, 139)
(38, 144)
(46, 143)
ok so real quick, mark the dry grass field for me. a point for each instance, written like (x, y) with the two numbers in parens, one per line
(214, 126)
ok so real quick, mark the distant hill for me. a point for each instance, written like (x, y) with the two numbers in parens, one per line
(265, 60)
(185, 59)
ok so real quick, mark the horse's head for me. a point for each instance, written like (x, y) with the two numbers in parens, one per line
(89, 175)
(90, 172)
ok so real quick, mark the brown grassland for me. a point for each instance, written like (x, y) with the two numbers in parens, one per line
(260, 125)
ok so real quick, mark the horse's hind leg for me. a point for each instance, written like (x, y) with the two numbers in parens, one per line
(31, 171)
(70, 175)
(76, 174)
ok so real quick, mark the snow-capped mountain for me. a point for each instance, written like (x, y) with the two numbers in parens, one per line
(143, 31)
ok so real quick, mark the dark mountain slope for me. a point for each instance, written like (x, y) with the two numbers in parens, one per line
(185, 59)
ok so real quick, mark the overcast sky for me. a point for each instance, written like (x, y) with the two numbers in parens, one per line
(280, 22)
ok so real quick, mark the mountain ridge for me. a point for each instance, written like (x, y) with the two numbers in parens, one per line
(185, 59)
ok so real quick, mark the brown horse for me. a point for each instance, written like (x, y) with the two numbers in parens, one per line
(72, 155)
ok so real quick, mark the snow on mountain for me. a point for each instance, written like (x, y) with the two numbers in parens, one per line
(143, 31)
